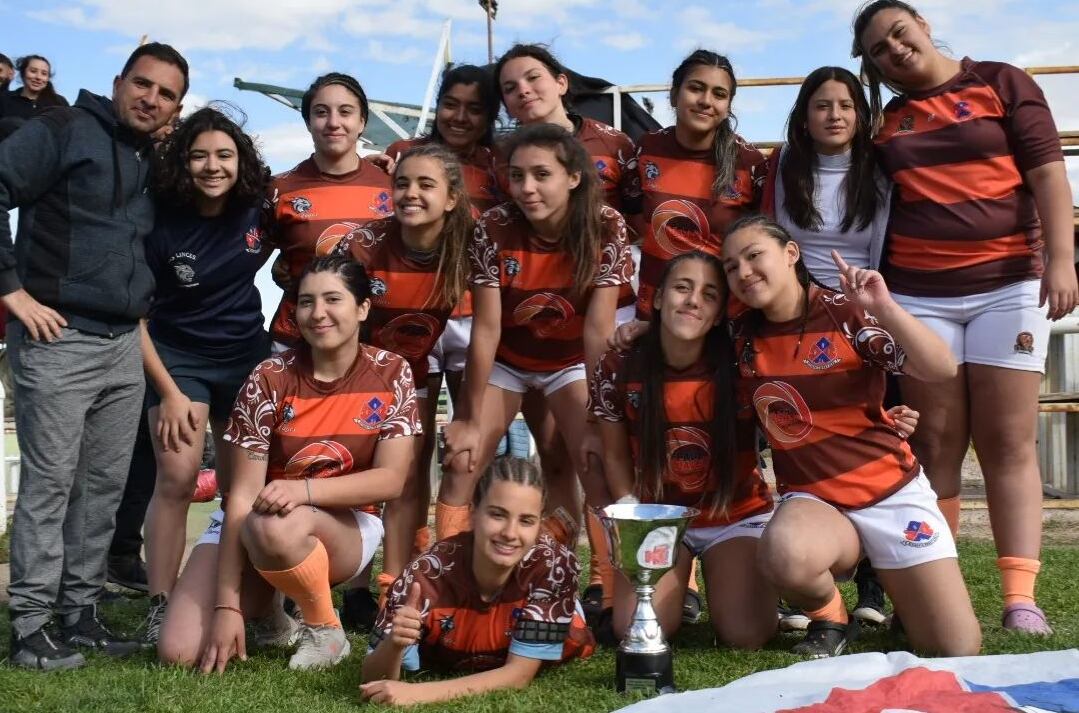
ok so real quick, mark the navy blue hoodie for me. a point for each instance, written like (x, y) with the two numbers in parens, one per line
(80, 181)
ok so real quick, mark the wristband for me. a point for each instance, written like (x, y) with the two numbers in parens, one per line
(228, 608)
(307, 482)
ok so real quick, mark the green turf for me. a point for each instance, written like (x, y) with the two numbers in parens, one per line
(264, 683)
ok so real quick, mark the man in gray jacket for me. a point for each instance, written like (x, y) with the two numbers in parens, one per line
(76, 283)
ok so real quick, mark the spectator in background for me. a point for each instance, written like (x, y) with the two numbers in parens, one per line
(36, 93)
(79, 177)
(7, 72)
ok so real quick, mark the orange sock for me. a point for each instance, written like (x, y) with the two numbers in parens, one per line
(562, 527)
(602, 572)
(451, 519)
(1017, 575)
(835, 610)
(308, 584)
(693, 576)
(949, 507)
(385, 580)
(422, 540)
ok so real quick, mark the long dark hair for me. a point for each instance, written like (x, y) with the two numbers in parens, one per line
(755, 318)
(647, 359)
(538, 52)
(173, 185)
(470, 74)
(800, 162)
(725, 144)
(48, 94)
(871, 74)
(457, 231)
(582, 233)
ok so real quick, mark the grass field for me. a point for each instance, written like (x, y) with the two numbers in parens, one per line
(264, 683)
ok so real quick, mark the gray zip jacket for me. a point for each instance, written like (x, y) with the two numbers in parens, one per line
(80, 181)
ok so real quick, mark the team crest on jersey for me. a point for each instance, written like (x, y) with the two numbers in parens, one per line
(963, 110)
(919, 534)
(183, 265)
(512, 266)
(300, 204)
(378, 287)
(906, 124)
(1024, 343)
(602, 169)
(633, 398)
(372, 414)
(253, 240)
(382, 205)
(651, 171)
(822, 356)
(288, 413)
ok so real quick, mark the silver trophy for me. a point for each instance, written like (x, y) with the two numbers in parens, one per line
(644, 543)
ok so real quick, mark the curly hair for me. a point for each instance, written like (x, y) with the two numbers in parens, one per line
(173, 185)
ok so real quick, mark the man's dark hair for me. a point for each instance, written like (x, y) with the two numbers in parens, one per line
(163, 53)
(4, 59)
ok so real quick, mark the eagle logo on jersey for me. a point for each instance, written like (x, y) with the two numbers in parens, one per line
(688, 457)
(543, 313)
(906, 124)
(822, 356)
(679, 226)
(382, 205)
(288, 413)
(963, 110)
(410, 335)
(919, 534)
(321, 459)
(511, 266)
(253, 240)
(300, 205)
(372, 414)
(378, 287)
(783, 412)
(633, 398)
(651, 171)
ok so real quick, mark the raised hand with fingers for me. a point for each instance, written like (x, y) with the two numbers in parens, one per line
(862, 286)
(904, 420)
(390, 693)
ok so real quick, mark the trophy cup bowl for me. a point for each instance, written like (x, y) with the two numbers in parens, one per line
(644, 542)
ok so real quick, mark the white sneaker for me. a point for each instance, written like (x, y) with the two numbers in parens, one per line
(320, 647)
(277, 630)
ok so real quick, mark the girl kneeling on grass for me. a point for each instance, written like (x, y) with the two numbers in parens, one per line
(326, 431)
(812, 364)
(494, 603)
(671, 436)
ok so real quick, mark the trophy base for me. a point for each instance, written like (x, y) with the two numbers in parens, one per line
(644, 674)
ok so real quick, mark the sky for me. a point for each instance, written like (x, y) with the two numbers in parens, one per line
(390, 46)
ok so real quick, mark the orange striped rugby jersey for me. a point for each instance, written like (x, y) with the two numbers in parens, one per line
(312, 211)
(964, 221)
(318, 429)
(616, 390)
(679, 207)
(818, 397)
(404, 317)
(542, 322)
(478, 169)
(535, 615)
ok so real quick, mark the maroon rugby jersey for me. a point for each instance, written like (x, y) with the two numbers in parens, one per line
(312, 211)
(965, 221)
(405, 316)
(682, 212)
(319, 429)
(817, 393)
(616, 391)
(542, 320)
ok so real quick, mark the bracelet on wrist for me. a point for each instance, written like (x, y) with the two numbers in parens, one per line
(228, 608)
